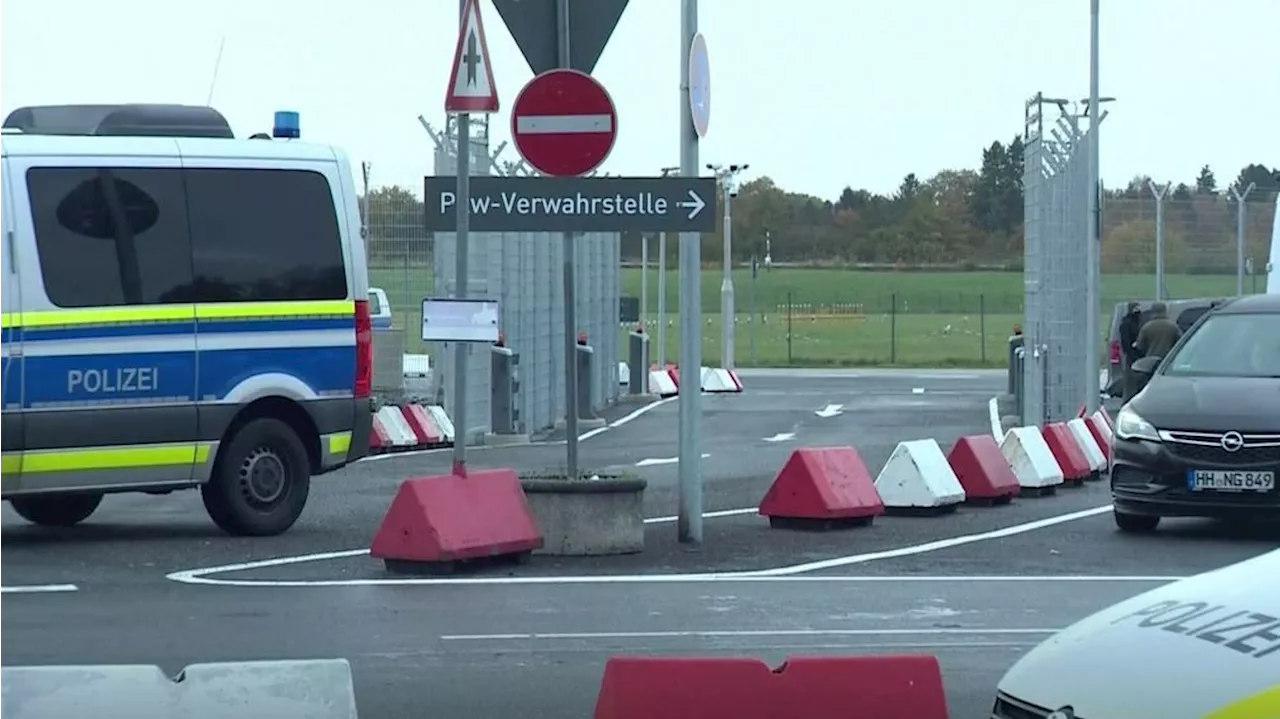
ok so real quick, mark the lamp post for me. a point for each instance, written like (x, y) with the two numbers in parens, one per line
(728, 182)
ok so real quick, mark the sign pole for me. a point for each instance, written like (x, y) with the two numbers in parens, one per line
(570, 291)
(460, 349)
(689, 521)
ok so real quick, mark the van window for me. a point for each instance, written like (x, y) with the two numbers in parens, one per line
(264, 235)
(111, 236)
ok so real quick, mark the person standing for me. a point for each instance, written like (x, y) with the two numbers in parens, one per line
(1129, 326)
(1159, 334)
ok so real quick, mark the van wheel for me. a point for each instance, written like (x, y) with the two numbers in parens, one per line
(65, 510)
(1136, 523)
(260, 481)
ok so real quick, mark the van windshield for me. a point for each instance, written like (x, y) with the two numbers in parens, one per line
(1244, 345)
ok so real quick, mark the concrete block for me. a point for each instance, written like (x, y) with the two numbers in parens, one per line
(588, 517)
(310, 689)
(917, 476)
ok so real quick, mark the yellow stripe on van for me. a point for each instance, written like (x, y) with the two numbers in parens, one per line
(1263, 705)
(178, 313)
(10, 463)
(339, 443)
(9, 319)
(104, 458)
(254, 310)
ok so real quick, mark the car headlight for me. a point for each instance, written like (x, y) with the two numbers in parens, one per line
(1131, 425)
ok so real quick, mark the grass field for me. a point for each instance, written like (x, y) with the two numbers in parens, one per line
(845, 317)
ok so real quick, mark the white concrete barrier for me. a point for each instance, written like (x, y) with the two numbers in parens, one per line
(918, 477)
(715, 379)
(624, 373)
(661, 384)
(1031, 459)
(1084, 438)
(313, 689)
(442, 421)
(396, 426)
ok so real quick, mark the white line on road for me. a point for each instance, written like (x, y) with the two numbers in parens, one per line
(663, 460)
(581, 438)
(39, 589)
(781, 437)
(831, 410)
(728, 633)
(917, 390)
(201, 575)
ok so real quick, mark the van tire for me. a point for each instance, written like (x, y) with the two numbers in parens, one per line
(260, 480)
(56, 510)
(1136, 523)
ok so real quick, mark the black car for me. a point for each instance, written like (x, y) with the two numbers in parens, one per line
(1202, 438)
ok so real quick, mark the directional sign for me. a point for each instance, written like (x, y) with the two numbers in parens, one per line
(575, 204)
(534, 26)
(564, 123)
(699, 85)
(471, 86)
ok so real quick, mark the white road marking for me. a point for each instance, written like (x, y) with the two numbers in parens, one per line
(993, 412)
(917, 390)
(729, 633)
(781, 437)
(201, 575)
(39, 589)
(581, 438)
(831, 410)
(663, 460)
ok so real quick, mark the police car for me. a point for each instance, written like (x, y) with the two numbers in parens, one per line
(182, 309)
(1207, 647)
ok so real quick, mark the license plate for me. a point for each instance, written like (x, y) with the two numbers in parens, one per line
(1223, 480)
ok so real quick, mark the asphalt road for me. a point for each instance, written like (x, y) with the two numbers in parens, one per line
(976, 588)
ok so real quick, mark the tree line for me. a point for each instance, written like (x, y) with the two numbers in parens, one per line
(959, 218)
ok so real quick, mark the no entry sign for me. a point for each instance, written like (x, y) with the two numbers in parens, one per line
(564, 123)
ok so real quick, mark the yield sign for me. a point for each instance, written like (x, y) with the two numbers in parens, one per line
(471, 86)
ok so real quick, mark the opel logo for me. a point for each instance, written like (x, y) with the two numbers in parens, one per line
(1063, 713)
(1232, 441)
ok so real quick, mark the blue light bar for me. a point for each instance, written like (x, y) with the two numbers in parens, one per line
(286, 125)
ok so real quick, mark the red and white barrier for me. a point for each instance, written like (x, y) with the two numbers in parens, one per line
(409, 427)
(715, 379)
(663, 382)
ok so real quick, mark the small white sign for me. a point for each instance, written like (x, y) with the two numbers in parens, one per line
(459, 320)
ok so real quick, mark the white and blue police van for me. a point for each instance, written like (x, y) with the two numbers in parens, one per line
(182, 309)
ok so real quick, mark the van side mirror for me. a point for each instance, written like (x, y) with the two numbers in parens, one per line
(1146, 367)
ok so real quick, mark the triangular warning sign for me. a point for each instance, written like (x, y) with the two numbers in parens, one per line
(471, 86)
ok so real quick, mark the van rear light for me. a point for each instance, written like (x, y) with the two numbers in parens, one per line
(364, 351)
(1115, 351)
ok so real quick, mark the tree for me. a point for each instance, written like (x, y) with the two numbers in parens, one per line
(1206, 183)
(1265, 180)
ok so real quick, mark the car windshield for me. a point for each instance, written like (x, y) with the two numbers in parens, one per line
(1230, 345)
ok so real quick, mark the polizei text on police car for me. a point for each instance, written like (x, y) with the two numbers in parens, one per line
(515, 203)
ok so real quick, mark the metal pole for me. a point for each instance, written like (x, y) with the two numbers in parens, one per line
(460, 291)
(1159, 193)
(662, 300)
(1240, 198)
(689, 522)
(644, 279)
(570, 295)
(1093, 343)
(726, 287)
(751, 327)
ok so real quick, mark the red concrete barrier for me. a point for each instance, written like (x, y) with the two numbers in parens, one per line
(451, 518)
(1101, 432)
(982, 470)
(822, 486)
(870, 687)
(1075, 466)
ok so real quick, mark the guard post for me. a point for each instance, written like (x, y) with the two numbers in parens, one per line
(504, 382)
(585, 386)
(638, 360)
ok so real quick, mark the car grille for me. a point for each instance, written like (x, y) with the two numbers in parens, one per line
(1008, 707)
(1206, 447)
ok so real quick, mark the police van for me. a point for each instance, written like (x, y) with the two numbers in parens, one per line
(1205, 647)
(182, 309)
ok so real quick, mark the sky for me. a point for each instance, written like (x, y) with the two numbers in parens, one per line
(817, 94)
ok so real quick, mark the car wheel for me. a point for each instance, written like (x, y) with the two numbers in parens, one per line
(1136, 523)
(260, 481)
(65, 510)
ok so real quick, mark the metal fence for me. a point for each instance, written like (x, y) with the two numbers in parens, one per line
(523, 271)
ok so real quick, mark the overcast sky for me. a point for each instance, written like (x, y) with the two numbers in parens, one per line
(818, 94)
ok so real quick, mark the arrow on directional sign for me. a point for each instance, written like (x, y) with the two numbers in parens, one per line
(695, 203)
(830, 410)
(781, 437)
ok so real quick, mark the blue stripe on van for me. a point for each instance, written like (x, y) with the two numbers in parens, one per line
(323, 369)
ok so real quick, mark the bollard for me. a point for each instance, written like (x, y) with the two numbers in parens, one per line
(1015, 343)
(1017, 363)
(586, 405)
(504, 385)
(638, 360)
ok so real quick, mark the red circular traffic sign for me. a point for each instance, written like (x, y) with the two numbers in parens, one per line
(564, 123)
